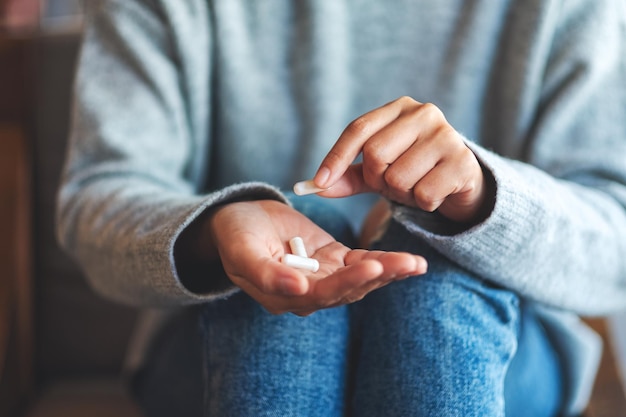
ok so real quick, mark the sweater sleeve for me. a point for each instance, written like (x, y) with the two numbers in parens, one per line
(557, 233)
(132, 173)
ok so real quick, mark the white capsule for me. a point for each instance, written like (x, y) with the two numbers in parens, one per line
(295, 261)
(297, 247)
(307, 187)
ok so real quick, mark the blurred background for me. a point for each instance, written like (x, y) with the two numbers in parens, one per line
(62, 348)
(20, 16)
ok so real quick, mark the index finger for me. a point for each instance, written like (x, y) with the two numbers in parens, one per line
(351, 141)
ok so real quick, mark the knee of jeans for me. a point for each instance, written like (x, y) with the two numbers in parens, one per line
(444, 276)
(447, 293)
(466, 293)
(448, 313)
(325, 216)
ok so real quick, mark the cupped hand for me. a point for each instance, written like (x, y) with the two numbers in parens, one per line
(411, 155)
(251, 238)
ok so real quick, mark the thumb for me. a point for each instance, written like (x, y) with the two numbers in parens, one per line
(350, 183)
(273, 278)
(252, 265)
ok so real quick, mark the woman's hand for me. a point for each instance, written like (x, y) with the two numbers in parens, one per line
(251, 238)
(411, 155)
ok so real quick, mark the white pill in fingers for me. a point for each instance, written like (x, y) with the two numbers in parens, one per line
(299, 262)
(307, 187)
(297, 247)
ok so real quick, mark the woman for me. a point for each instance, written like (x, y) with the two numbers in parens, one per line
(507, 199)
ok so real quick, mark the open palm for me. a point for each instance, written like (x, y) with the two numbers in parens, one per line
(252, 237)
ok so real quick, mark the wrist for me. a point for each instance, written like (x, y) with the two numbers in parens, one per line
(473, 210)
(195, 253)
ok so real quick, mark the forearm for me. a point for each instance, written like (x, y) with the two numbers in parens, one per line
(124, 232)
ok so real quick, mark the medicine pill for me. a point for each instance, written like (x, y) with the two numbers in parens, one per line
(297, 247)
(307, 187)
(295, 261)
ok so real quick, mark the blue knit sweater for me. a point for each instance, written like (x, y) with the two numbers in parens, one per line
(183, 104)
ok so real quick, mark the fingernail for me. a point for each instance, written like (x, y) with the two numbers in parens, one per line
(321, 178)
(289, 286)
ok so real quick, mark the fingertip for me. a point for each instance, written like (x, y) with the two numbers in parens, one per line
(421, 265)
(416, 266)
(404, 264)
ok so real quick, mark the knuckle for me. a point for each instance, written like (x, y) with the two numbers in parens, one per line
(464, 160)
(467, 165)
(432, 112)
(396, 179)
(406, 100)
(426, 199)
(467, 155)
(445, 132)
(361, 126)
(374, 152)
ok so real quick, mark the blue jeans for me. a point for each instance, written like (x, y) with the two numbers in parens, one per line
(443, 344)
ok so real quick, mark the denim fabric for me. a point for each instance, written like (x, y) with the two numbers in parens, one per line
(443, 344)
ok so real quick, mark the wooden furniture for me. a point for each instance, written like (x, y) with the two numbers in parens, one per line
(16, 320)
(609, 395)
(16, 312)
(61, 345)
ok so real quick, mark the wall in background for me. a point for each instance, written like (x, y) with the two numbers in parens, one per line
(61, 15)
(26, 16)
